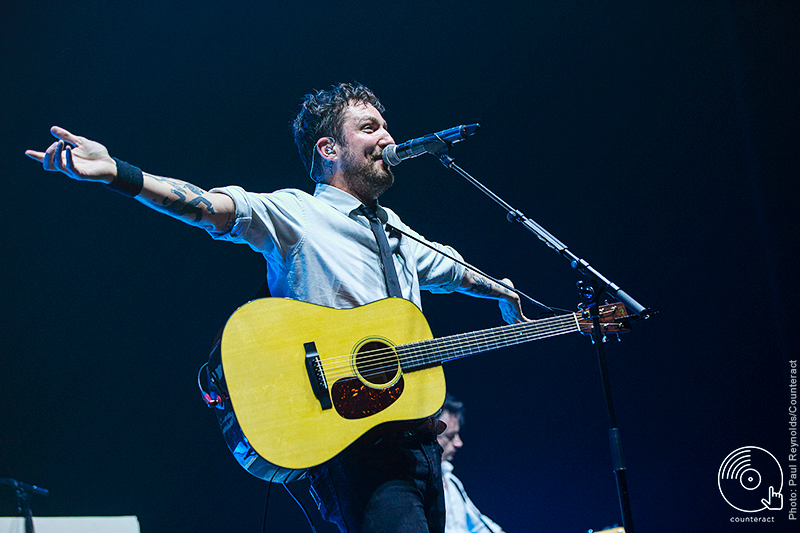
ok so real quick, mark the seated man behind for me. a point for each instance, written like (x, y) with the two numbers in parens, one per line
(461, 515)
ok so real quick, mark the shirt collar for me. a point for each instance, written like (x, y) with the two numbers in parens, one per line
(343, 201)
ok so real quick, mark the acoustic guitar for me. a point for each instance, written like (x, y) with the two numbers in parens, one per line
(297, 382)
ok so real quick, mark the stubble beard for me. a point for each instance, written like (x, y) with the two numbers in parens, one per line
(369, 180)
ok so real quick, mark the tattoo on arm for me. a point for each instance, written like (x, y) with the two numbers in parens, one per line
(197, 190)
(481, 285)
(178, 184)
(181, 207)
(193, 211)
(478, 285)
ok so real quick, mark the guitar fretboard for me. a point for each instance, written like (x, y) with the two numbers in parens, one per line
(435, 351)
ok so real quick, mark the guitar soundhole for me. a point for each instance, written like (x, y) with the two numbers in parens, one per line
(378, 386)
(377, 363)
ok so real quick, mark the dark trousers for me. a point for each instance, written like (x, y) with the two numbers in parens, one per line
(393, 485)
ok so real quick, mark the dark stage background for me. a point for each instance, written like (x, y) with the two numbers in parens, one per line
(658, 140)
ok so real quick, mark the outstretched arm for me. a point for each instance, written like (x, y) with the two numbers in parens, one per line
(85, 160)
(480, 286)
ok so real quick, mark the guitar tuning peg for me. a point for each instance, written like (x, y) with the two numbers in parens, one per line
(619, 339)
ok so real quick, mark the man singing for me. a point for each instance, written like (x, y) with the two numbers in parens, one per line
(322, 249)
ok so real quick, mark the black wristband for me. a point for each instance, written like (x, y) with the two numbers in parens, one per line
(129, 180)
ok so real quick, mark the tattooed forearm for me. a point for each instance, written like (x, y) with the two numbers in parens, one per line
(481, 285)
(477, 285)
(195, 189)
(182, 208)
(189, 203)
(170, 181)
(178, 184)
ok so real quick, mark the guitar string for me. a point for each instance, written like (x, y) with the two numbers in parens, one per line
(385, 362)
(383, 365)
(372, 359)
(387, 359)
(506, 332)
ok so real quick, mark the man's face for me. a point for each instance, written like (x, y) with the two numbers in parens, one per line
(365, 137)
(449, 440)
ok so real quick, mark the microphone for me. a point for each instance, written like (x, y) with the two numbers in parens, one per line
(429, 144)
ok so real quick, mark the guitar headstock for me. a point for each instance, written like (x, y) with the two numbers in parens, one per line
(614, 318)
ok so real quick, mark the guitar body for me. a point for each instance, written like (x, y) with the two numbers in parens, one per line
(301, 382)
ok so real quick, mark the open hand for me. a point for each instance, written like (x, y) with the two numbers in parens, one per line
(77, 157)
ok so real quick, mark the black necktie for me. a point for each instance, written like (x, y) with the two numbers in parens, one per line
(392, 283)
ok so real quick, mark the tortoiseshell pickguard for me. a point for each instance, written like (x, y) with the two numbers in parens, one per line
(352, 399)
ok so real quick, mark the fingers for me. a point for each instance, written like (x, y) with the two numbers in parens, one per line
(33, 154)
(58, 157)
(64, 135)
(70, 166)
(56, 163)
(47, 161)
(52, 158)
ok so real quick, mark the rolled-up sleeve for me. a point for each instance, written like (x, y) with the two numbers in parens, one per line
(268, 222)
(243, 214)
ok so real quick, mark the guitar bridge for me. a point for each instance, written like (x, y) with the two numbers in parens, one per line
(319, 385)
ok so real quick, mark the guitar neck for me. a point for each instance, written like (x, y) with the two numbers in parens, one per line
(435, 351)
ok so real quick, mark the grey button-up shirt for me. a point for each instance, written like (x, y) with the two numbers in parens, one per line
(319, 249)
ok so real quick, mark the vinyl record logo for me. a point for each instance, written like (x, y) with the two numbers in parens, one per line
(751, 480)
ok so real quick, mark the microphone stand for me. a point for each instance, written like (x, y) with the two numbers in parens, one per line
(591, 293)
(23, 505)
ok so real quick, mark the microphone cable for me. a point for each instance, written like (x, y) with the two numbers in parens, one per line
(266, 502)
(297, 501)
(475, 269)
(308, 518)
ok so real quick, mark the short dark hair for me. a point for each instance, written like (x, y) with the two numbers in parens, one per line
(454, 407)
(321, 115)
